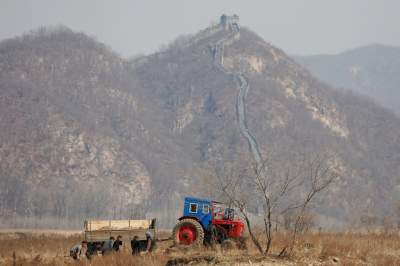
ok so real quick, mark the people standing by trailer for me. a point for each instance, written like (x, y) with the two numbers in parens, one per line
(108, 246)
(117, 243)
(79, 251)
(150, 241)
(99, 232)
(136, 246)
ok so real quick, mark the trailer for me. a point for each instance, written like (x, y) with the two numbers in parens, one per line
(98, 231)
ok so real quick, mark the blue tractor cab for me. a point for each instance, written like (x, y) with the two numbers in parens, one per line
(199, 209)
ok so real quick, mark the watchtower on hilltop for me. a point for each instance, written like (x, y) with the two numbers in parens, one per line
(227, 21)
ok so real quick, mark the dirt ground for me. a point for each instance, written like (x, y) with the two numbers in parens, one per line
(45, 247)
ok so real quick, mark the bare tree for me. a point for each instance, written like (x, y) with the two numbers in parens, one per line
(284, 183)
(320, 172)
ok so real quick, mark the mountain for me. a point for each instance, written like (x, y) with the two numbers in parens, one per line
(372, 70)
(86, 133)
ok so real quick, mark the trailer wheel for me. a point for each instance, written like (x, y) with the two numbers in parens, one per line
(188, 232)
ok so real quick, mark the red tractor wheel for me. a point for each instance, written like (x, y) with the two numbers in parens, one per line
(188, 232)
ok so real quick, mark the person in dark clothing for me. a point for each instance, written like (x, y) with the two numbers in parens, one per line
(117, 243)
(136, 246)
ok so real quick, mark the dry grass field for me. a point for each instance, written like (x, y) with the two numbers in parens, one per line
(52, 248)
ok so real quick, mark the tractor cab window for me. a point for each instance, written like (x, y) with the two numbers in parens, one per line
(193, 208)
(206, 209)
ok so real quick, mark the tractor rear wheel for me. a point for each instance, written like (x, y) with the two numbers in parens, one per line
(188, 232)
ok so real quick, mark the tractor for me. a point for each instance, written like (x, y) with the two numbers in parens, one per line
(208, 222)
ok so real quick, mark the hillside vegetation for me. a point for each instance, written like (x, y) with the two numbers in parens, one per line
(86, 133)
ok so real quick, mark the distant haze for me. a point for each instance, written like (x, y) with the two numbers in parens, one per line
(131, 27)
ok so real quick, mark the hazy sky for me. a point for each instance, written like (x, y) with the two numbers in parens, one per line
(131, 26)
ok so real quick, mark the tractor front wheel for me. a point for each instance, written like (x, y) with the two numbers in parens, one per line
(188, 232)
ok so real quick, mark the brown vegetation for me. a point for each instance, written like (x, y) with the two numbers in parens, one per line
(273, 188)
(316, 249)
(81, 125)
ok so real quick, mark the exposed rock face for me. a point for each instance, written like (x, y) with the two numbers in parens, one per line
(87, 133)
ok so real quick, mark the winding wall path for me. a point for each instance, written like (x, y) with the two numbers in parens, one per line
(243, 85)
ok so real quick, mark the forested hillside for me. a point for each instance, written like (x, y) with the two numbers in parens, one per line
(86, 133)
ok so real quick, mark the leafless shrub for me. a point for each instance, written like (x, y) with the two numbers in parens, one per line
(277, 189)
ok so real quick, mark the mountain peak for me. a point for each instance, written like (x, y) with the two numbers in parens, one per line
(80, 121)
(370, 70)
